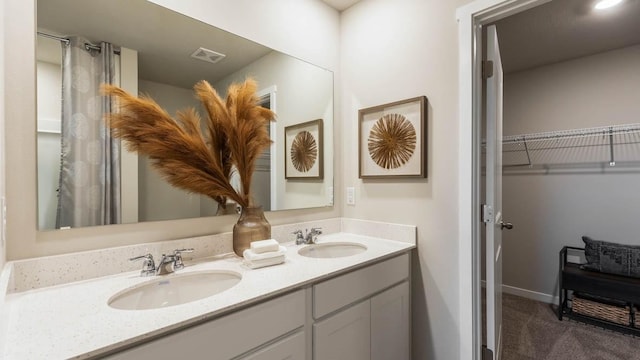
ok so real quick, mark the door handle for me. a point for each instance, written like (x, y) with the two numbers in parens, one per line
(506, 225)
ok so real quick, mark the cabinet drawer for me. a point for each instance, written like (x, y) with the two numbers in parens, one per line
(228, 336)
(333, 294)
(290, 348)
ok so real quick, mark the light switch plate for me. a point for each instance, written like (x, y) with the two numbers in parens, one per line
(330, 195)
(351, 196)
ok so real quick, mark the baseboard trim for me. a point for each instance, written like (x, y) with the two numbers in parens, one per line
(529, 294)
(533, 295)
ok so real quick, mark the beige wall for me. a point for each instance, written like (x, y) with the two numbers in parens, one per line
(49, 112)
(551, 210)
(312, 36)
(304, 93)
(158, 200)
(2, 122)
(393, 50)
(128, 160)
(602, 89)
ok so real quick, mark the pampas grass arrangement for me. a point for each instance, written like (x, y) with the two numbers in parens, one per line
(192, 159)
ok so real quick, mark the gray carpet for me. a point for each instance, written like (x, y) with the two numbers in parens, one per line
(532, 331)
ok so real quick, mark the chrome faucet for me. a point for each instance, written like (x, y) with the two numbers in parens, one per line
(148, 265)
(167, 265)
(309, 237)
(172, 262)
(178, 264)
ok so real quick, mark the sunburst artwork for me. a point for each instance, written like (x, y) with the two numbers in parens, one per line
(392, 141)
(304, 151)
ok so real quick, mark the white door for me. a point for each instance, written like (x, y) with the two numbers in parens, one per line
(493, 209)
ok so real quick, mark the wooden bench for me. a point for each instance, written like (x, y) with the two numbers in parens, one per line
(616, 287)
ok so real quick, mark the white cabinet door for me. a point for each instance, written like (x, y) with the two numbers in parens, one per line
(345, 335)
(390, 324)
(290, 348)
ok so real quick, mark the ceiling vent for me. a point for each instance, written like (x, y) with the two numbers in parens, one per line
(207, 55)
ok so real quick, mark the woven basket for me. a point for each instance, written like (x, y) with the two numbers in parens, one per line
(613, 313)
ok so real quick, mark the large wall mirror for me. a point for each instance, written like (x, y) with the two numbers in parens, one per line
(163, 54)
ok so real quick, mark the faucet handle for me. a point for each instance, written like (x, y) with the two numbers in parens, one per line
(313, 235)
(299, 236)
(148, 265)
(177, 255)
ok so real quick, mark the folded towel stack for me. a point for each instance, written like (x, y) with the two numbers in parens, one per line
(264, 253)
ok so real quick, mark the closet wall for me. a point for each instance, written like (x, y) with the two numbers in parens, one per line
(550, 209)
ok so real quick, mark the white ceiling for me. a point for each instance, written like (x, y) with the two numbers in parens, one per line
(565, 29)
(557, 31)
(340, 5)
(164, 39)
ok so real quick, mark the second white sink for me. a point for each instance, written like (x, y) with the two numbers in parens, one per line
(174, 289)
(332, 250)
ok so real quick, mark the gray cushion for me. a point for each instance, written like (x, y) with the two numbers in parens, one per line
(611, 258)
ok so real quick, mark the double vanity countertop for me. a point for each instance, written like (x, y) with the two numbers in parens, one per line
(75, 321)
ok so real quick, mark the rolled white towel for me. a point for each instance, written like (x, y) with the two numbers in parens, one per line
(262, 246)
(265, 262)
(251, 255)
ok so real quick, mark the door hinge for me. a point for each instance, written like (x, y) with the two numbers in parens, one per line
(487, 69)
(487, 354)
(487, 214)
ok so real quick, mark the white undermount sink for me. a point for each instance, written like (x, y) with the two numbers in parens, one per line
(174, 289)
(332, 250)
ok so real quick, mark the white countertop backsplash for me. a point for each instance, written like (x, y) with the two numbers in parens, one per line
(56, 307)
(47, 271)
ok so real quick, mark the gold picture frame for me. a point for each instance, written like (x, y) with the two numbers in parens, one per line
(303, 151)
(392, 140)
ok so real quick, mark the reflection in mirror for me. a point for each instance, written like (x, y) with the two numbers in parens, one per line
(155, 51)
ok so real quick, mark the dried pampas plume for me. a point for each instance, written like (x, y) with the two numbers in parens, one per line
(188, 159)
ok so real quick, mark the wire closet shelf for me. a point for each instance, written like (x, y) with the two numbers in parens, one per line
(598, 146)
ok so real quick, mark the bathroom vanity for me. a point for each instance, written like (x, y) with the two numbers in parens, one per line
(322, 306)
(362, 314)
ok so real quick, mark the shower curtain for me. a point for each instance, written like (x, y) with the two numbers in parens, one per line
(89, 188)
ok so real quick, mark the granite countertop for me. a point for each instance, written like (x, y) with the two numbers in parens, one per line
(74, 320)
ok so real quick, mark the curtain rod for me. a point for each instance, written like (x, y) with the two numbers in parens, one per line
(87, 46)
(64, 40)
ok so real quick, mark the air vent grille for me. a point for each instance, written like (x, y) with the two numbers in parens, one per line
(207, 55)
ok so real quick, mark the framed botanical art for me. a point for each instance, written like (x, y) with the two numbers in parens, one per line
(303, 151)
(392, 140)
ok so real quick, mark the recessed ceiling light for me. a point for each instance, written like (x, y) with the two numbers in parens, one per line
(605, 4)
